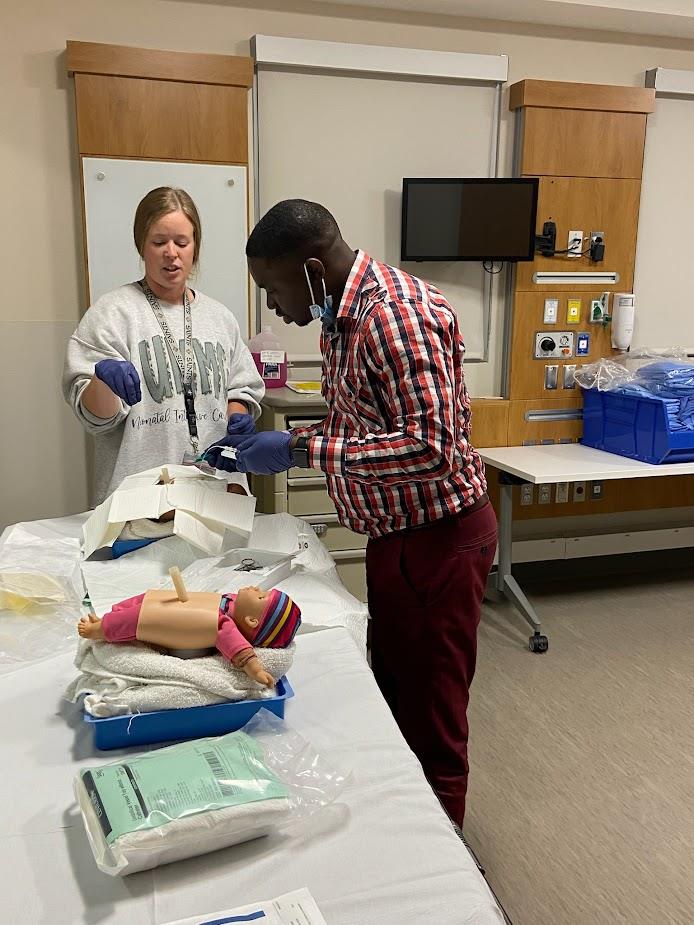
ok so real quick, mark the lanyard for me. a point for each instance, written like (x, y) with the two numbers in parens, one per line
(186, 367)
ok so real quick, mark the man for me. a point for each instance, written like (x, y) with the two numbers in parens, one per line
(395, 449)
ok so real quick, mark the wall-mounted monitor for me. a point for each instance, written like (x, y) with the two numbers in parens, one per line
(468, 218)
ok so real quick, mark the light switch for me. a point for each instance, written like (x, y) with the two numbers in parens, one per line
(551, 311)
(551, 373)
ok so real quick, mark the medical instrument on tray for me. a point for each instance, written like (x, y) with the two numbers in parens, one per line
(247, 565)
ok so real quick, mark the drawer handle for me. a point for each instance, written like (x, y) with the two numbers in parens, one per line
(306, 482)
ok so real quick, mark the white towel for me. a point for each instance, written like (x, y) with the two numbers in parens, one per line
(135, 678)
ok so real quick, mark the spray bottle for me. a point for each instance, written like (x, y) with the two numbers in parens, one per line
(270, 358)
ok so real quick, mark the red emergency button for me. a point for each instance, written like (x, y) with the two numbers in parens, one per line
(566, 351)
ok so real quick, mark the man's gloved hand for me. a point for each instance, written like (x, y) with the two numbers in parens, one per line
(265, 453)
(240, 424)
(122, 379)
(239, 427)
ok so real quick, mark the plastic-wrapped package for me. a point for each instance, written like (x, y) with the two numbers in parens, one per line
(199, 796)
(41, 591)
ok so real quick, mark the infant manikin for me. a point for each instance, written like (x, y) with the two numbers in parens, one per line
(233, 624)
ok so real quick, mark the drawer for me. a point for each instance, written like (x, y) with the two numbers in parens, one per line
(335, 536)
(312, 499)
(296, 473)
(352, 571)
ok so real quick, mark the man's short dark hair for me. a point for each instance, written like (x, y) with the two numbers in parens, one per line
(293, 225)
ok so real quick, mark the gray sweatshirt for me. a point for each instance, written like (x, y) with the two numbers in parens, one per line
(121, 325)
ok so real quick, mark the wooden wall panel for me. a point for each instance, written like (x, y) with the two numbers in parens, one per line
(520, 429)
(569, 95)
(605, 205)
(155, 64)
(489, 422)
(635, 495)
(554, 143)
(129, 117)
(527, 373)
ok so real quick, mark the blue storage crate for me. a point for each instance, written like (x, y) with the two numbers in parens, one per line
(634, 426)
(184, 723)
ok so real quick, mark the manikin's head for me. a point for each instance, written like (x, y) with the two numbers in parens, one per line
(266, 618)
(297, 254)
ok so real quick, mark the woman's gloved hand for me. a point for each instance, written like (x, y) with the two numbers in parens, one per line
(122, 379)
(240, 424)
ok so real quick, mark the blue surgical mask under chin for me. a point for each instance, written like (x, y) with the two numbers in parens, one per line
(325, 312)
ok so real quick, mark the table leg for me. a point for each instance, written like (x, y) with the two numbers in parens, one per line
(506, 584)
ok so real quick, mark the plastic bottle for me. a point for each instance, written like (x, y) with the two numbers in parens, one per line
(270, 357)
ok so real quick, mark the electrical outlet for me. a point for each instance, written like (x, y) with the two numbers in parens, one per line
(551, 311)
(597, 246)
(562, 495)
(544, 494)
(597, 311)
(579, 491)
(596, 491)
(527, 495)
(575, 244)
(573, 311)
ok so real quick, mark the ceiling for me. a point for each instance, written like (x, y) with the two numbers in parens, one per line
(673, 18)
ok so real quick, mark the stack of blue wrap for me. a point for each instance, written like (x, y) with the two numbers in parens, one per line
(671, 382)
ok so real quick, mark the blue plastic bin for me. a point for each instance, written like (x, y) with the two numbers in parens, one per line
(634, 426)
(185, 723)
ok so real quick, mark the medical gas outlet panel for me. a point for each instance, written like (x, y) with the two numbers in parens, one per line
(557, 345)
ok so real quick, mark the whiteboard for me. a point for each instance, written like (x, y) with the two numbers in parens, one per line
(114, 187)
(663, 279)
(347, 141)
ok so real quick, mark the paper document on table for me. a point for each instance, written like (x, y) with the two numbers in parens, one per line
(297, 908)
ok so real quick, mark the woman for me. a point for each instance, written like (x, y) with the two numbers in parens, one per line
(155, 369)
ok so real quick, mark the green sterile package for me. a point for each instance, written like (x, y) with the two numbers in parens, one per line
(195, 797)
(179, 801)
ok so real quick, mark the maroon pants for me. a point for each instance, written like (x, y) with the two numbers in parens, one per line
(425, 590)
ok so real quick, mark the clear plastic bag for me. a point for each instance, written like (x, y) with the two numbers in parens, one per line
(200, 796)
(41, 593)
(610, 373)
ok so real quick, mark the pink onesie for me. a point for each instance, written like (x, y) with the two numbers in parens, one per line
(120, 625)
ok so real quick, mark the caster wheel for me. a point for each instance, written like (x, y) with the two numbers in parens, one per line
(538, 643)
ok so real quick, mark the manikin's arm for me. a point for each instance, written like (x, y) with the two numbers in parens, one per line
(250, 663)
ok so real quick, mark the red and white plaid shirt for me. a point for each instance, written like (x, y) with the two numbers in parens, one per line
(395, 443)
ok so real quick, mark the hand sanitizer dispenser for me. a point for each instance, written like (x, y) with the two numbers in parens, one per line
(623, 311)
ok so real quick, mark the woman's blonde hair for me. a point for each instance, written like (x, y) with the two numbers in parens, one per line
(160, 202)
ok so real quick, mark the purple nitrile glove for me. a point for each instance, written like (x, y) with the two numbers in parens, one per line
(122, 379)
(265, 453)
(240, 424)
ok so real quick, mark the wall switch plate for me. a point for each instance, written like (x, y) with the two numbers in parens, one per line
(544, 494)
(574, 244)
(579, 491)
(597, 491)
(527, 495)
(582, 344)
(551, 311)
(562, 495)
(569, 376)
(573, 311)
(551, 377)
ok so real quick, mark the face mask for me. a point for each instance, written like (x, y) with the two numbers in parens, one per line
(323, 312)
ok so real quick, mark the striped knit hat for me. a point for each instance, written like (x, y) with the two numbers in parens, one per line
(279, 622)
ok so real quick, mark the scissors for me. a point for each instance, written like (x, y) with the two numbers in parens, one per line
(247, 565)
